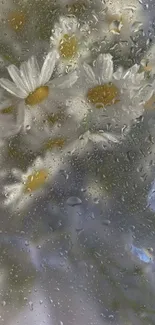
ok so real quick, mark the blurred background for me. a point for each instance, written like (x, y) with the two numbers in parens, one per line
(70, 257)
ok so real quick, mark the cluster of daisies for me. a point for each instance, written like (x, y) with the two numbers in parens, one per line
(71, 98)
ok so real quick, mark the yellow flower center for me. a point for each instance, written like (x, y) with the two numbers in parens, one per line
(68, 46)
(7, 110)
(57, 142)
(103, 95)
(76, 8)
(37, 96)
(115, 23)
(17, 20)
(35, 181)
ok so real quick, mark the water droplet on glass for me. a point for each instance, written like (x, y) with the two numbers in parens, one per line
(106, 222)
(73, 201)
(140, 119)
(26, 243)
(31, 305)
(41, 302)
(96, 200)
(57, 289)
(124, 129)
(111, 316)
(83, 189)
(136, 26)
(51, 301)
(28, 127)
(3, 303)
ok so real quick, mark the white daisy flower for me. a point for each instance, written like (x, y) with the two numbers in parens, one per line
(14, 19)
(120, 22)
(130, 16)
(71, 42)
(112, 99)
(31, 184)
(37, 95)
(7, 8)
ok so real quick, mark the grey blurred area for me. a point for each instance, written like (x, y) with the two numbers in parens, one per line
(65, 261)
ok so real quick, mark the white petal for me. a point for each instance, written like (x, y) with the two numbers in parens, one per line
(34, 72)
(11, 88)
(56, 35)
(25, 73)
(16, 77)
(128, 75)
(10, 188)
(48, 67)
(134, 69)
(138, 78)
(103, 137)
(118, 74)
(65, 81)
(89, 73)
(68, 24)
(104, 67)
(14, 195)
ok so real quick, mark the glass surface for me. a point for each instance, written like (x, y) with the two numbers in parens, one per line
(77, 162)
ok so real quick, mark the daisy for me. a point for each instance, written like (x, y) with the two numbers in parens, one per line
(120, 22)
(31, 184)
(36, 93)
(13, 22)
(8, 8)
(108, 99)
(129, 16)
(71, 42)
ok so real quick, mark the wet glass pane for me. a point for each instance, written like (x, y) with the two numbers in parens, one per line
(77, 162)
